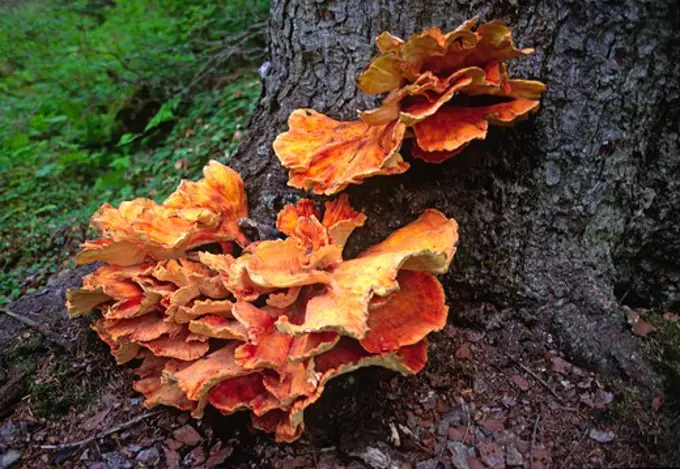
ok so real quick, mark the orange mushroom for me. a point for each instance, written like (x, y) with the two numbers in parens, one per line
(416, 310)
(196, 213)
(193, 321)
(326, 155)
(439, 75)
(426, 245)
(433, 80)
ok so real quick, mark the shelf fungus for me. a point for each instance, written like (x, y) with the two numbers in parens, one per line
(325, 155)
(197, 213)
(443, 89)
(265, 330)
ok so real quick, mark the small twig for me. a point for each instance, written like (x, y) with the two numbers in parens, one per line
(235, 46)
(535, 376)
(533, 442)
(407, 431)
(46, 332)
(468, 421)
(578, 443)
(538, 378)
(104, 434)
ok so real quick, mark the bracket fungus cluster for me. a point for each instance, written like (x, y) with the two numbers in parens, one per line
(259, 326)
(443, 90)
(214, 319)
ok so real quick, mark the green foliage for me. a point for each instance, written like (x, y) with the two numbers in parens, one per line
(105, 101)
(165, 113)
(211, 129)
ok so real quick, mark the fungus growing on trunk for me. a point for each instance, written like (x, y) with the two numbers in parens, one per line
(446, 87)
(264, 331)
(197, 213)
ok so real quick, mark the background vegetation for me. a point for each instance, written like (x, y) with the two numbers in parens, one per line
(103, 101)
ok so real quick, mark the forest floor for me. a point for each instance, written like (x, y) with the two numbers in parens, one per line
(496, 397)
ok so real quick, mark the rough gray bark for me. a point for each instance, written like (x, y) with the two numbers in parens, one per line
(565, 219)
(46, 307)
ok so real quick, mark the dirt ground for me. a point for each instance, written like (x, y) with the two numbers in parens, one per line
(495, 397)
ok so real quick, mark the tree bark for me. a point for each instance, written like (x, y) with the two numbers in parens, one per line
(567, 219)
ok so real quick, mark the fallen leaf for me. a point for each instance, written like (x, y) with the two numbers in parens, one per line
(657, 403)
(474, 463)
(171, 458)
(598, 400)
(560, 365)
(459, 455)
(479, 386)
(94, 422)
(541, 453)
(671, 317)
(587, 399)
(8, 458)
(603, 399)
(463, 352)
(512, 456)
(600, 436)
(218, 455)
(508, 401)
(461, 434)
(493, 425)
(195, 457)
(148, 457)
(145, 442)
(585, 384)
(492, 454)
(187, 435)
(173, 444)
(521, 383)
(642, 328)
(450, 331)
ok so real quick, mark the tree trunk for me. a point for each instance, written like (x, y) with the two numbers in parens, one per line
(567, 219)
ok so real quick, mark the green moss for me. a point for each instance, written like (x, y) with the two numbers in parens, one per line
(56, 386)
(61, 389)
(666, 343)
(23, 353)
